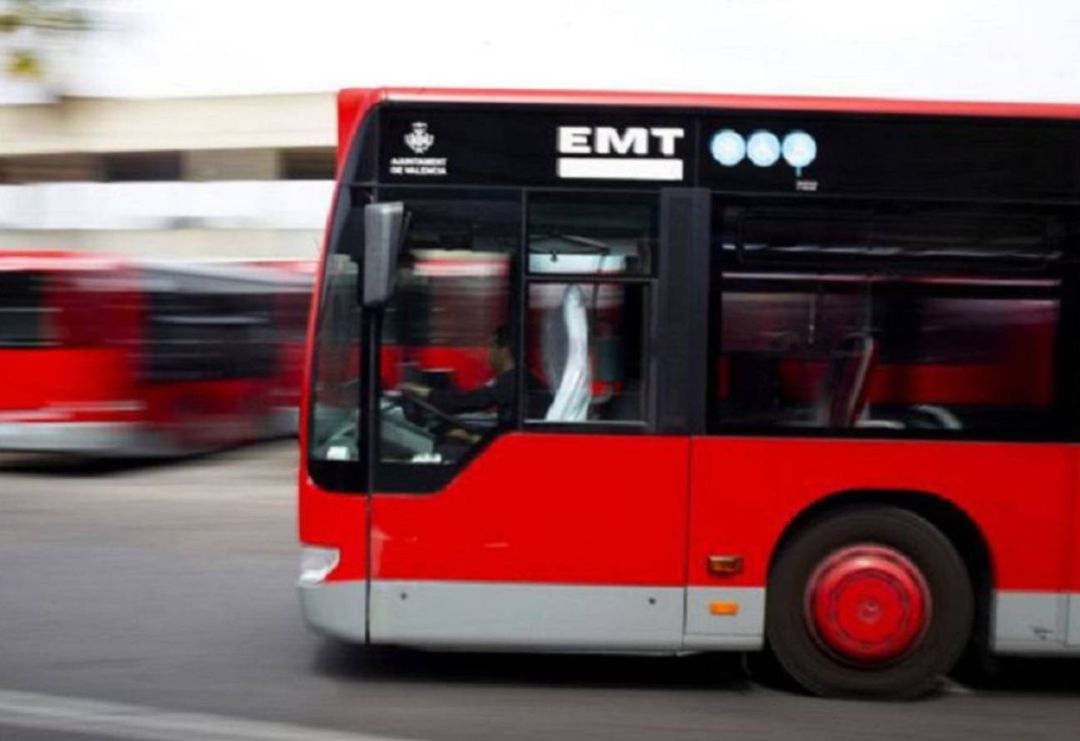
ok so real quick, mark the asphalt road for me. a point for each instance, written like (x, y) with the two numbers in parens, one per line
(157, 602)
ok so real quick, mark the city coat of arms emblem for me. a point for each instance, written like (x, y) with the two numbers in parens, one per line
(419, 139)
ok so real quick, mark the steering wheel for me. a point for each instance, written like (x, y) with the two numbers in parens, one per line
(434, 411)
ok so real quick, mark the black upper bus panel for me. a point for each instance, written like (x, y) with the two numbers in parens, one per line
(775, 153)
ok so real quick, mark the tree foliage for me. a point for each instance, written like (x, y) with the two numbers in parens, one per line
(26, 28)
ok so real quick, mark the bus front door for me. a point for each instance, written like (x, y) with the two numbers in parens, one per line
(520, 499)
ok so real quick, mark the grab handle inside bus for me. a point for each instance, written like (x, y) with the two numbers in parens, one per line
(384, 230)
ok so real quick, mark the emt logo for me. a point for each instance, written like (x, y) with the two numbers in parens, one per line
(609, 153)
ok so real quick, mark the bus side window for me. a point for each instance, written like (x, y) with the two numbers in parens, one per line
(585, 349)
(966, 357)
(887, 319)
(586, 337)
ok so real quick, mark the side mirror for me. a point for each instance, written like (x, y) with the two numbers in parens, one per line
(384, 231)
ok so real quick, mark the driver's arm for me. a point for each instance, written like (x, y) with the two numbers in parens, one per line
(453, 401)
(495, 393)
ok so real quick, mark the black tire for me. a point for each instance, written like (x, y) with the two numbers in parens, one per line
(918, 669)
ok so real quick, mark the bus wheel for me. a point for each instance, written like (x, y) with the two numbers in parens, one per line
(872, 601)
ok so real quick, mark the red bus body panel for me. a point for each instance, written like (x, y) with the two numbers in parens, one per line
(80, 380)
(570, 509)
(337, 520)
(745, 492)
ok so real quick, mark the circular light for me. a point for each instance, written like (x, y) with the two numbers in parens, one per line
(799, 149)
(763, 149)
(728, 147)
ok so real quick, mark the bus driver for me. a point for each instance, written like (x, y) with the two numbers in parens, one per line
(497, 393)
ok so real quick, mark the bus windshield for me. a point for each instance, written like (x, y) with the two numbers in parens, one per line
(336, 388)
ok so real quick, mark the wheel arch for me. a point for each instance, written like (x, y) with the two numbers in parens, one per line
(957, 525)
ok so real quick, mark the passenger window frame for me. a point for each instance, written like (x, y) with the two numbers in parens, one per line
(917, 277)
(648, 280)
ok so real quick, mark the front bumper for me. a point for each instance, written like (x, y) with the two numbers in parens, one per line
(337, 609)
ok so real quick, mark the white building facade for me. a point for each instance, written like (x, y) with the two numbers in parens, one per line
(226, 176)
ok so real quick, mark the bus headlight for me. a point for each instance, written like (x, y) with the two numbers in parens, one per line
(316, 564)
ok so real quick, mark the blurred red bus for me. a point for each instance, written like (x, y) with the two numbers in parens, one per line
(291, 304)
(106, 357)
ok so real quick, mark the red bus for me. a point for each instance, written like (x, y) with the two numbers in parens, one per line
(108, 357)
(689, 373)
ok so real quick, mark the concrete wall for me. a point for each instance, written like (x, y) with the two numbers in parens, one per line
(188, 219)
(118, 125)
(227, 199)
(175, 243)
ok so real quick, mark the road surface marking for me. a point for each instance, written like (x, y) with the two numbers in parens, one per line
(142, 723)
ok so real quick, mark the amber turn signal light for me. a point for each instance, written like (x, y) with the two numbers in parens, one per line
(726, 609)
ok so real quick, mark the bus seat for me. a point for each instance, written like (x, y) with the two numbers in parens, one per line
(848, 382)
(569, 358)
(944, 418)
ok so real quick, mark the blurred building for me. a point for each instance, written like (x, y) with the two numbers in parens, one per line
(239, 176)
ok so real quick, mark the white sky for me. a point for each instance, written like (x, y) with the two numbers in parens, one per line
(947, 49)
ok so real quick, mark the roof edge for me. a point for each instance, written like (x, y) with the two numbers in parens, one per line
(997, 109)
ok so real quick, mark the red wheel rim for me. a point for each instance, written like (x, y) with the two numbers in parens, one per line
(868, 604)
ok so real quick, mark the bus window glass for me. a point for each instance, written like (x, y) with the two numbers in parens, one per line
(960, 356)
(22, 317)
(585, 352)
(585, 339)
(195, 335)
(448, 368)
(335, 390)
(887, 318)
(592, 234)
